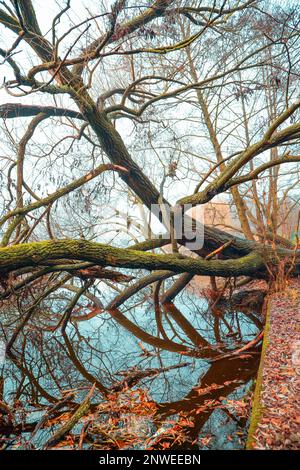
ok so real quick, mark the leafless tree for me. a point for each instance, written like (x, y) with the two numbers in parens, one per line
(109, 112)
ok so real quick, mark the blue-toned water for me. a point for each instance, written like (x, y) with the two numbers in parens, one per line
(105, 349)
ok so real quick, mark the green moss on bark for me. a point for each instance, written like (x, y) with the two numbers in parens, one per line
(257, 406)
(38, 253)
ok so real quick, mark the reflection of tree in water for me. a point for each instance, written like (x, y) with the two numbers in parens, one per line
(157, 369)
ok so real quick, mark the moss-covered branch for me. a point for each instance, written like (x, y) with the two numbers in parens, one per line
(36, 253)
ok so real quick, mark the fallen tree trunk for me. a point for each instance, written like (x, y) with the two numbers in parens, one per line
(253, 264)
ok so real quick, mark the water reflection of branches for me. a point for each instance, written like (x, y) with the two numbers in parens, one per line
(41, 372)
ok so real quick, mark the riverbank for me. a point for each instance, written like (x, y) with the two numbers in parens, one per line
(275, 421)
